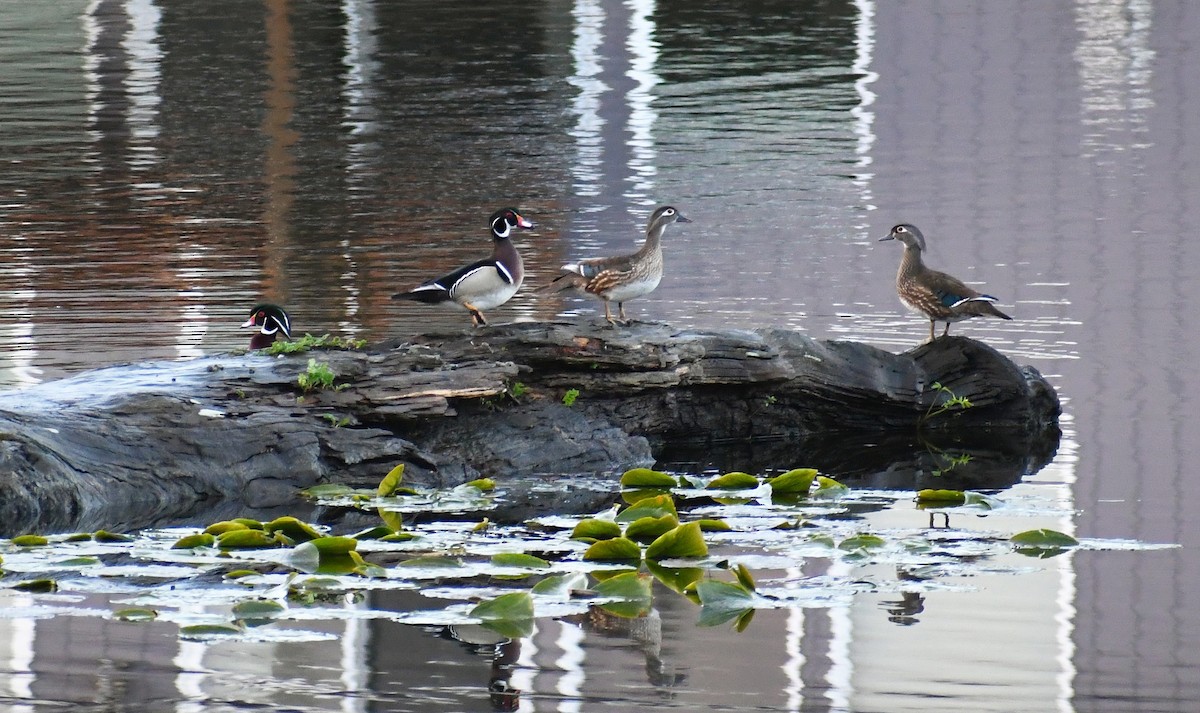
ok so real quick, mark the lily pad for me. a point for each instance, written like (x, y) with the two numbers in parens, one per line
(37, 586)
(829, 489)
(484, 485)
(930, 497)
(736, 480)
(293, 529)
(106, 536)
(187, 542)
(793, 482)
(328, 491)
(509, 614)
(862, 542)
(682, 542)
(519, 559)
(646, 478)
(561, 585)
(205, 631)
(246, 539)
(677, 578)
(1044, 538)
(220, 528)
(710, 525)
(334, 545)
(594, 529)
(656, 506)
(258, 609)
(135, 614)
(391, 481)
(613, 550)
(30, 541)
(431, 561)
(721, 602)
(647, 529)
(633, 589)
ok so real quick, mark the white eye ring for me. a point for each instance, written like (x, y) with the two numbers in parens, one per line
(668, 211)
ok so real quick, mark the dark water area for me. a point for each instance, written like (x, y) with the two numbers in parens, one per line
(165, 165)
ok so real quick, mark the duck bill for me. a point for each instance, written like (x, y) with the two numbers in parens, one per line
(248, 323)
(887, 237)
(522, 223)
(681, 219)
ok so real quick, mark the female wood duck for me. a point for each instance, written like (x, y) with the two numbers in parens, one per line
(483, 284)
(272, 321)
(936, 295)
(624, 277)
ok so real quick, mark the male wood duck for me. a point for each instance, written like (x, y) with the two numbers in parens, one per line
(623, 277)
(936, 295)
(272, 322)
(483, 284)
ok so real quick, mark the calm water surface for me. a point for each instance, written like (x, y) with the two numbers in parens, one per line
(167, 164)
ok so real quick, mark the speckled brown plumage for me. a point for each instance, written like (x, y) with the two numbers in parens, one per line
(938, 296)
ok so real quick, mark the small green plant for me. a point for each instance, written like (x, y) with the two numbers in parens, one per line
(517, 390)
(952, 462)
(770, 400)
(318, 375)
(570, 396)
(949, 403)
(335, 420)
(308, 342)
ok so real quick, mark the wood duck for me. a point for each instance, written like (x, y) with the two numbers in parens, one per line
(938, 296)
(623, 277)
(272, 321)
(483, 284)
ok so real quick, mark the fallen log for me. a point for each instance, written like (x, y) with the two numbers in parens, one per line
(134, 445)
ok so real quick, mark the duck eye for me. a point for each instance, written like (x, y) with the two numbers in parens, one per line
(668, 211)
(901, 229)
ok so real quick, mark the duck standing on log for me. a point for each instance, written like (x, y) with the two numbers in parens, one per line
(272, 322)
(483, 284)
(623, 277)
(938, 296)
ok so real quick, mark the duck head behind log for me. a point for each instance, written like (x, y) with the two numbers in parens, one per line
(272, 322)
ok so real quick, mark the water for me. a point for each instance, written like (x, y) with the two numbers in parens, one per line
(169, 164)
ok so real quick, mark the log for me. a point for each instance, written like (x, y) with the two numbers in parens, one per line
(135, 445)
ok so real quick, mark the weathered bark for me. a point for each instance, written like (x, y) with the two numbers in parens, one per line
(132, 445)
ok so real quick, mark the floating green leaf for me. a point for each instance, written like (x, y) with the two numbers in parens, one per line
(617, 549)
(135, 614)
(204, 631)
(793, 482)
(257, 609)
(1044, 538)
(648, 529)
(249, 522)
(392, 519)
(484, 485)
(829, 489)
(334, 545)
(509, 614)
(293, 529)
(656, 506)
(106, 536)
(862, 542)
(390, 482)
(245, 539)
(745, 577)
(723, 601)
(80, 562)
(733, 481)
(682, 542)
(709, 525)
(240, 573)
(30, 541)
(930, 497)
(328, 491)
(519, 559)
(632, 589)
(188, 542)
(78, 537)
(646, 478)
(561, 585)
(677, 578)
(373, 533)
(633, 497)
(37, 586)
(220, 528)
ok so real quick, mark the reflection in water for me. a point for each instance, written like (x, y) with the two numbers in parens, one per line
(171, 163)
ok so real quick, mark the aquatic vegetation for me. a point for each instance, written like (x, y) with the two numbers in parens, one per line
(309, 342)
(318, 375)
(665, 535)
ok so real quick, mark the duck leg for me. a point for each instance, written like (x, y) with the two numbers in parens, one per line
(946, 332)
(608, 314)
(477, 319)
(932, 325)
(621, 311)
